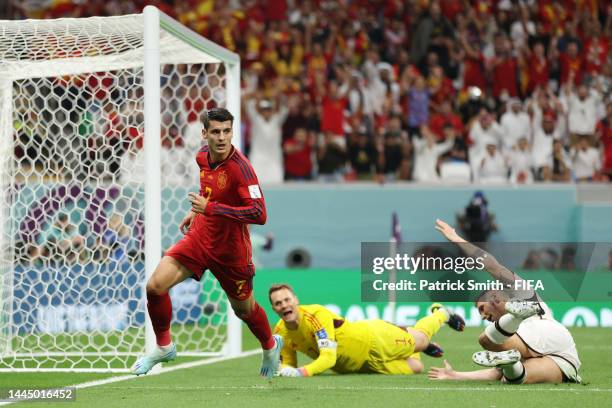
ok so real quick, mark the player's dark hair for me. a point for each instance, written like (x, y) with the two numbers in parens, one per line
(487, 295)
(482, 297)
(279, 286)
(218, 115)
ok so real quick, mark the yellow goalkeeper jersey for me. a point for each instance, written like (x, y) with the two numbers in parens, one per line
(332, 342)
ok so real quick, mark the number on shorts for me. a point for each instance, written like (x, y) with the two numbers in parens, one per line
(240, 284)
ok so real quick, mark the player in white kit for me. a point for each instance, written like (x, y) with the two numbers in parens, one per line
(525, 344)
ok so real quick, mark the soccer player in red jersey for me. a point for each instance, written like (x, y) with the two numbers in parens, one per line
(216, 238)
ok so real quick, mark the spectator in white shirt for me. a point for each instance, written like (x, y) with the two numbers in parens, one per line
(358, 99)
(520, 161)
(543, 101)
(266, 154)
(514, 124)
(484, 129)
(582, 108)
(585, 160)
(542, 146)
(491, 165)
(380, 82)
(426, 154)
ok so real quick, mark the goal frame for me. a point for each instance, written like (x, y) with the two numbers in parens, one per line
(154, 21)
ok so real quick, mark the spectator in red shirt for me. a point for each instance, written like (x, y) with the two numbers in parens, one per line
(537, 68)
(571, 63)
(445, 117)
(603, 133)
(504, 69)
(595, 49)
(298, 156)
(440, 86)
(474, 64)
(276, 10)
(332, 111)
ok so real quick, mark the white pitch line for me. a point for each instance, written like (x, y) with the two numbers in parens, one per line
(190, 364)
(165, 370)
(366, 388)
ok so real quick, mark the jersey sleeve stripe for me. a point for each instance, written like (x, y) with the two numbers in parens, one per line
(315, 322)
(242, 170)
(253, 213)
(247, 169)
(256, 208)
(231, 211)
(250, 175)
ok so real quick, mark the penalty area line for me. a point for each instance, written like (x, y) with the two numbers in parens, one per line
(164, 370)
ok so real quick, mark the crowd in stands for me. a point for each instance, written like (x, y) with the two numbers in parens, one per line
(490, 91)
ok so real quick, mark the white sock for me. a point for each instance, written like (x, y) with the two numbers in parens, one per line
(503, 328)
(514, 373)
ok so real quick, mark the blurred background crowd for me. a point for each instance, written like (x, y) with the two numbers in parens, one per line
(431, 91)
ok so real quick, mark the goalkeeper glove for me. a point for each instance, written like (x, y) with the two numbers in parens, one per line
(292, 372)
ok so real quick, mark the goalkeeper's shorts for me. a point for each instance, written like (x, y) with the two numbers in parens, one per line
(390, 347)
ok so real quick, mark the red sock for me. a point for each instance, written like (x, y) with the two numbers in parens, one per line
(160, 311)
(259, 326)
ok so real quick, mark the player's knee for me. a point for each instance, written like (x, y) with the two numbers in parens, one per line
(242, 312)
(486, 343)
(155, 288)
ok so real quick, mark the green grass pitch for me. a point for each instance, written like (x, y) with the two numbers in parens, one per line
(235, 383)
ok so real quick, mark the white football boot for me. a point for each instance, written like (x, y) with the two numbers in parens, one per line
(523, 309)
(270, 362)
(496, 358)
(160, 355)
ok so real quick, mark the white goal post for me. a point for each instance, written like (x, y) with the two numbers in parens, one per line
(99, 126)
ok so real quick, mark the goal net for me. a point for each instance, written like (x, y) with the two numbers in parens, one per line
(100, 121)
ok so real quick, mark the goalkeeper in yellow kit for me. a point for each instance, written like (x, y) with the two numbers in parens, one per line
(369, 346)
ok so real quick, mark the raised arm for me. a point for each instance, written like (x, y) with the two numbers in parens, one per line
(497, 270)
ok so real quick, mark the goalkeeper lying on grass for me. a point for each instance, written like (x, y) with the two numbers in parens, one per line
(371, 346)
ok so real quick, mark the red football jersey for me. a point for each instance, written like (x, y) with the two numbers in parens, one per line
(235, 200)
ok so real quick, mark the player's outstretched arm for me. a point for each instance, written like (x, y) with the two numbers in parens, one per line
(497, 270)
(448, 373)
